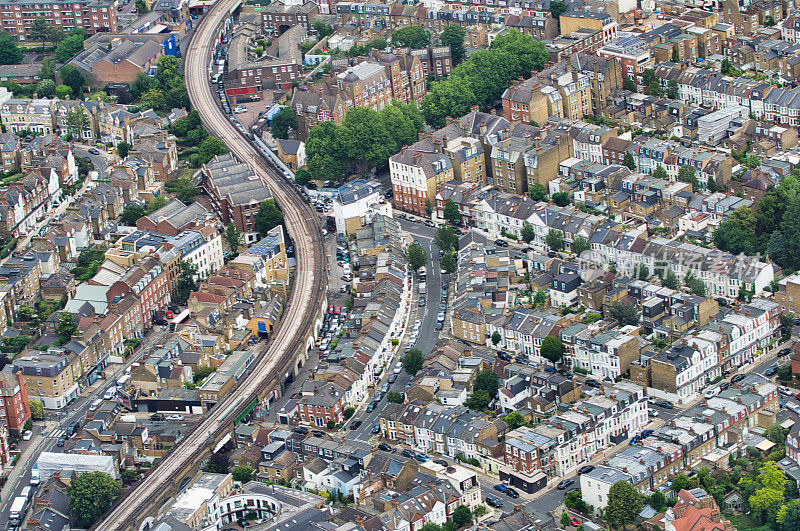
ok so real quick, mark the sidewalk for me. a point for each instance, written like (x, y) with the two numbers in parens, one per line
(41, 431)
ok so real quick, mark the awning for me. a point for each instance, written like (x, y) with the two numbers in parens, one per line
(262, 326)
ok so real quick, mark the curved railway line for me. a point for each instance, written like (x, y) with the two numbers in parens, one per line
(276, 359)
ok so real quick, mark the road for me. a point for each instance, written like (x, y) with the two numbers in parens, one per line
(46, 435)
(306, 300)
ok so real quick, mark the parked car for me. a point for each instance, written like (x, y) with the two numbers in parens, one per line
(421, 302)
(385, 447)
(318, 433)
(500, 487)
(574, 521)
(784, 352)
(585, 469)
(738, 378)
(422, 457)
(666, 404)
(26, 435)
(511, 493)
(407, 453)
(301, 430)
(646, 433)
(156, 416)
(564, 483)
(175, 418)
(355, 425)
(371, 407)
(93, 151)
(501, 243)
(785, 391)
(376, 428)
(636, 439)
(441, 462)
(492, 501)
(61, 441)
(771, 371)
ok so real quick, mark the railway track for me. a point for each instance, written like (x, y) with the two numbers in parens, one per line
(276, 358)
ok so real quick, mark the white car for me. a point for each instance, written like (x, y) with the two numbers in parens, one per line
(239, 109)
(653, 413)
(26, 435)
(714, 391)
(785, 391)
(175, 417)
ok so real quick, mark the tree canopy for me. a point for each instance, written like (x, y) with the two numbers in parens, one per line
(624, 313)
(416, 256)
(281, 122)
(268, 217)
(453, 36)
(412, 36)
(10, 54)
(445, 238)
(91, 494)
(413, 360)
(624, 504)
(552, 349)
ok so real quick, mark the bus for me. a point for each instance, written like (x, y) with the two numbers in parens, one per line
(181, 317)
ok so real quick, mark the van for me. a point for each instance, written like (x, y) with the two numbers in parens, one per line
(73, 428)
(95, 404)
(122, 380)
(215, 78)
(111, 392)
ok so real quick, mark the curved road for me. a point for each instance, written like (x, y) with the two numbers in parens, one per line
(307, 296)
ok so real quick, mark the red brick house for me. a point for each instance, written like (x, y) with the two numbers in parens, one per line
(16, 409)
(327, 403)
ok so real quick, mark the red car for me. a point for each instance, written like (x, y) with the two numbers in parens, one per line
(169, 314)
(338, 310)
(574, 521)
(330, 308)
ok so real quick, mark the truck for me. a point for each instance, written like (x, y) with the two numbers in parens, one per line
(18, 509)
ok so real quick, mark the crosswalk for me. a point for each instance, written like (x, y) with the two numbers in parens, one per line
(56, 433)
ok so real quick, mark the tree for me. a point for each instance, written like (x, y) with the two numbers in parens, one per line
(183, 188)
(514, 420)
(416, 256)
(671, 280)
(63, 92)
(658, 501)
(40, 29)
(561, 199)
(687, 174)
(673, 89)
(628, 160)
(695, 285)
(46, 88)
(453, 36)
(530, 53)
(77, 122)
(68, 48)
(675, 56)
(642, 272)
(73, 79)
(487, 381)
(431, 526)
(91, 494)
(552, 349)
(628, 83)
(210, 148)
(15, 344)
(652, 83)
(711, 184)
(233, 236)
(660, 173)
(445, 238)
(394, 397)
(67, 325)
(48, 69)
(131, 214)
(790, 228)
(527, 234)
(624, 313)
(10, 54)
(557, 8)
(725, 67)
(449, 262)
(268, 217)
(323, 30)
(776, 434)
(496, 338)
(141, 7)
(202, 373)
(580, 244)
(737, 233)
(451, 212)
(281, 122)
(565, 519)
(142, 83)
(789, 515)
(554, 239)
(413, 360)
(538, 192)
(302, 177)
(154, 99)
(462, 516)
(37, 409)
(123, 148)
(769, 20)
(242, 474)
(624, 504)
(186, 283)
(415, 37)
(349, 412)
(448, 97)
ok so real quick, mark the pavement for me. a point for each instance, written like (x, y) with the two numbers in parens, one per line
(47, 432)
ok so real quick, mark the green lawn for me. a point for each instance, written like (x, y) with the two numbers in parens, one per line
(745, 522)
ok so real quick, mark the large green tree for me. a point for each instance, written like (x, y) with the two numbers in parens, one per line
(527, 234)
(73, 79)
(416, 256)
(68, 48)
(185, 283)
(580, 244)
(211, 147)
(552, 349)
(91, 494)
(737, 233)
(281, 122)
(449, 262)
(487, 381)
(10, 54)
(532, 53)
(554, 239)
(447, 97)
(453, 36)
(789, 515)
(451, 212)
(624, 313)
(445, 238)
(268, 217)
(411, 36)
(413, 360)
(624, 504)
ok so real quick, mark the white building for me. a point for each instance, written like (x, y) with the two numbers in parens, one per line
(204, 250)
(356, 203)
